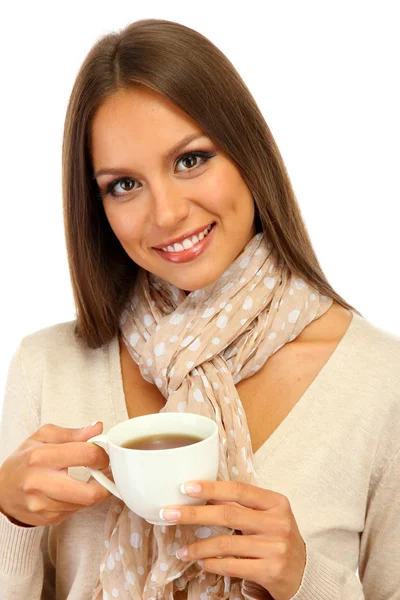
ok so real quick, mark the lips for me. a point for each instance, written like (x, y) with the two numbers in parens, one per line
(187, 254)
(198, 234)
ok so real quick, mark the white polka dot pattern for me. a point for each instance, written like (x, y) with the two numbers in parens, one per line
(228, 330)
(203, 532)
(222, 322)
(136, 540)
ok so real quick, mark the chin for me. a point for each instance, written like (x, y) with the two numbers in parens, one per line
(192, 286)
(196, 281)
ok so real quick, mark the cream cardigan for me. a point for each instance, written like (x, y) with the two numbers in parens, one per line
(335, 456)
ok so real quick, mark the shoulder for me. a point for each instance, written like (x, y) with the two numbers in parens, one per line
(52, 336)
(59, 340)
(55, 355)
(363, 348)
(376, 334)
(376, 350)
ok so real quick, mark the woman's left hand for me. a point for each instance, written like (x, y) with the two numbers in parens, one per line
(271, 550)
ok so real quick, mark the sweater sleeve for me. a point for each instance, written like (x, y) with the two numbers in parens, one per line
(21, 559)
(379, 549)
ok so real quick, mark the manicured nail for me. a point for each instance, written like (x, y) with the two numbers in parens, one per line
(182, 552)
(91, 424)
(200, 562)
(190, 488)
(170, 514)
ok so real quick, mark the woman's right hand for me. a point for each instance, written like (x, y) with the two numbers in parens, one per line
(35, 488)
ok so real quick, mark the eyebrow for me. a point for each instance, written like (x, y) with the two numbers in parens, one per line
(184, 142)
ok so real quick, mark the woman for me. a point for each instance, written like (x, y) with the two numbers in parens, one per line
(197, 289)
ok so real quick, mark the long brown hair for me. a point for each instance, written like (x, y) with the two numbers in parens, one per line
(188, 69)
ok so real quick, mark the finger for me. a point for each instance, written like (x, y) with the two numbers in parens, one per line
(226, 545)
(234, 491)
(54, 434)
(69, 454)
(250, 569)
(107, 472)
(238, 531)
(41, 503)
(228, 515)
(61, 487)
(52, 518)
(222, 502)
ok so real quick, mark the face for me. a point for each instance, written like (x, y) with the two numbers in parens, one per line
(176, 203)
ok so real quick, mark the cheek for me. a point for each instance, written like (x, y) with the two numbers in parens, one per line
(219, 193)
(125, 226)
(228, 193)
(236, 205)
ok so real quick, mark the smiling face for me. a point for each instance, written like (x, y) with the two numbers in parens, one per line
(183, 213)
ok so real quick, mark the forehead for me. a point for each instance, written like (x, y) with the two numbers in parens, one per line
(137, 119)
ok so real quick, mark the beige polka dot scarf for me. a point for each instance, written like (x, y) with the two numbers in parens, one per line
(195, 348)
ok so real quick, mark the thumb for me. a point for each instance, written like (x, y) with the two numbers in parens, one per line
(85, 433)
(54, 434)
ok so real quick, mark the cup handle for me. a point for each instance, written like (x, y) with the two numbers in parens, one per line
(101, 440)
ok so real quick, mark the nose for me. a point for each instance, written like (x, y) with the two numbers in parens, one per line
(169, 206)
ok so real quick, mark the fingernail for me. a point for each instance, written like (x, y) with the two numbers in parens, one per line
(200, 562)
(182, 552)
(170, 514)
(190, 488)
(91, 424)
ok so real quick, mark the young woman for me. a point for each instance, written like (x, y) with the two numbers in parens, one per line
(196, 289)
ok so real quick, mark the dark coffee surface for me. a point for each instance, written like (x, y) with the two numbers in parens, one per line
(161, 441)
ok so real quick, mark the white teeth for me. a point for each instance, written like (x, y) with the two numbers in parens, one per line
(188, 243)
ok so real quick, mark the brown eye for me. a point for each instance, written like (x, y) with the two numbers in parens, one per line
(129, 187)
(191, 160)
(111, 188)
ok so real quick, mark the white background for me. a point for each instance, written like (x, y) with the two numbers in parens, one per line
(326, 77)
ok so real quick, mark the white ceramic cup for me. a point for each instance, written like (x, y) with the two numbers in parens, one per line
(149, 480)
